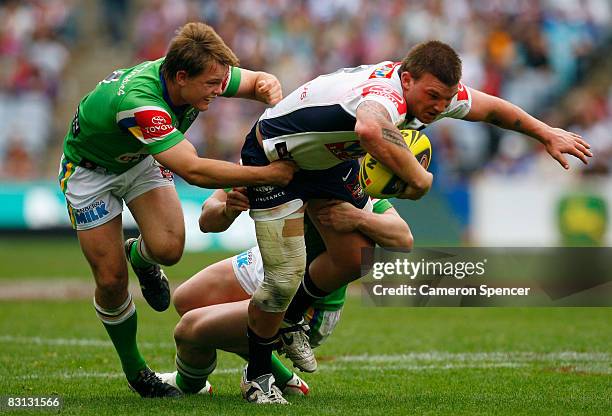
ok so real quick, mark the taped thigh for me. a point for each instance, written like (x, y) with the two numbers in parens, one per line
(283, 251)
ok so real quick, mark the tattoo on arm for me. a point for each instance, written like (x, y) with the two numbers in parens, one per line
(394, 137)
(375, 109)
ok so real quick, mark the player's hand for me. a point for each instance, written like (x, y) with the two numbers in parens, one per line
(341, 216)
(280, 172)
(559, 141)
(236, 202)
(268, 89)
(413, 192)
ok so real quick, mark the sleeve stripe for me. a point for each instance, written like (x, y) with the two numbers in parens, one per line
(131, 113)
(234, 82)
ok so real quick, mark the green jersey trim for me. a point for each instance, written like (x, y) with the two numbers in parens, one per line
(234, 82)
(166, 144)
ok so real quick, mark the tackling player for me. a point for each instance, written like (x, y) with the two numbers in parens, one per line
(124, 142)
(332, 119)
(213, 303)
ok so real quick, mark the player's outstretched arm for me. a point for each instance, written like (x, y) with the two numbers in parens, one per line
(385, 143)
(387, 229)
(504, 114)
(183, 160)
(221, 209)
(259, 86)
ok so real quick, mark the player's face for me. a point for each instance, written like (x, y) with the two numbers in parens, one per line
(427, 96)
(200, 90)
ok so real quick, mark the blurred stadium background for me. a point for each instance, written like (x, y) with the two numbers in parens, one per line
(492, 188)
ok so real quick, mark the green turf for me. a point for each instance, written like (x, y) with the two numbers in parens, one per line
(62, 258)
(496, 361)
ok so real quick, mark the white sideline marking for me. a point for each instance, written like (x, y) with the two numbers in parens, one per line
(600, 362)
(75, 342)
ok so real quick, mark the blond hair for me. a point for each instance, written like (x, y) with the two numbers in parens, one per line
(194, 49)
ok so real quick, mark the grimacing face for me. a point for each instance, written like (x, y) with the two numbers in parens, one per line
(199, 91)
(427, 96)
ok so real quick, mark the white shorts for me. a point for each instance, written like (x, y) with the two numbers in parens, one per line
(248, 269)
(94, 196)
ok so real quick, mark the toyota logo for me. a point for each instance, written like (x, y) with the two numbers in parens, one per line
(158, 120)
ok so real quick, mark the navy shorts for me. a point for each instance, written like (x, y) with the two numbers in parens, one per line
(339, 182)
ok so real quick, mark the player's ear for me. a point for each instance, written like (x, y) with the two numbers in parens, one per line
(406, 79)
(181, 77)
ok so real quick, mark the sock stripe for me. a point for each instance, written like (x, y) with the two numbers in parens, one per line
(188, 371)
(116, 316)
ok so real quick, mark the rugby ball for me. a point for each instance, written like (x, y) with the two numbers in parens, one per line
(378, 181)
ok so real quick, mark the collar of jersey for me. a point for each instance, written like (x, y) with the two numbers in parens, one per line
(177, 110)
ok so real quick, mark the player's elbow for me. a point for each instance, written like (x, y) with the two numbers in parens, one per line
(421, 184)
(368, 133)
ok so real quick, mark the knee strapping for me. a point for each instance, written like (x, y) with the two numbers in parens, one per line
(283, 252)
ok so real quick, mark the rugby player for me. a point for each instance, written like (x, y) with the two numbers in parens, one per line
(124, 142)
(213, 303)
(325, 123)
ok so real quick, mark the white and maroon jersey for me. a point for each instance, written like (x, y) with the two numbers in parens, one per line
(314, 125)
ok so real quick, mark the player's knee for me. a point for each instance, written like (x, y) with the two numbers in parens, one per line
(167, 252)
(192, 328)
(180, 300)
(112, 285)
(279, 286)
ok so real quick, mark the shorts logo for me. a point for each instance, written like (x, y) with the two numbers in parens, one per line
(356, 190)
(386, 92)
(244, 259)
(166, 173)
(346, 150)
(264, 189)
(91, 213)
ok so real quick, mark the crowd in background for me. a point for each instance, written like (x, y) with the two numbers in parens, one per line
(542, 55)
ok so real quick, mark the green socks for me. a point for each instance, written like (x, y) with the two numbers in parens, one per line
(281, 373)
(121, 325)
(191, 379)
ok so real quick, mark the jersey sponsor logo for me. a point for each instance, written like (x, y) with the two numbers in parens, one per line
(348, 150)
(158, 120)
(131, 157)
(154, 123)
(385, 71)
(386, 92)
(462, 94)
(90, 213)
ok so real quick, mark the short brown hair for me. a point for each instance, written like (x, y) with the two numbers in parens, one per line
(435, 57)
(195, 48)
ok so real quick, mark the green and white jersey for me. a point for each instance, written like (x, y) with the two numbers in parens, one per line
(129, 116)
(316, 246)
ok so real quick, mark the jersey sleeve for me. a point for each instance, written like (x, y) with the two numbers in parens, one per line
(231, 82)
(381, 205)
(460, 105)
(149, 122)
(386, 95)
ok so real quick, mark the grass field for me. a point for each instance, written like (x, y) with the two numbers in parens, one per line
(379, 360)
